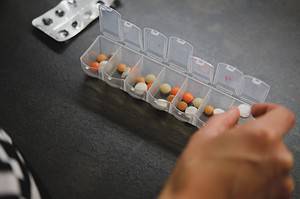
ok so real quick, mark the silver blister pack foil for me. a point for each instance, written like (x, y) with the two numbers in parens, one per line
(68, 18)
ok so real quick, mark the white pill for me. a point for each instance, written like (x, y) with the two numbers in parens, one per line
(161, 103)
(190, 111)
(218, 111)
(140, 88)
(245, 110)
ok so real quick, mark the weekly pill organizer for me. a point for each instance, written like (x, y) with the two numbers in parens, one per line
(170, 60)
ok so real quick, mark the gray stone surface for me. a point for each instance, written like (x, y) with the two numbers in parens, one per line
(82, 137)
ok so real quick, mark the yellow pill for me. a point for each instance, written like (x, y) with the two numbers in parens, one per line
(165, 88)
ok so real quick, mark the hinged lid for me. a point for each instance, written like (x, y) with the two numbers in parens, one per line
(253, 89)
(200, 69)
(228, 78)
(179, 52)
(110, 23)
(155, 44)
(132, 35)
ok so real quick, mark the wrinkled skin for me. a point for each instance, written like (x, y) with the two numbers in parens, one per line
(224, 160)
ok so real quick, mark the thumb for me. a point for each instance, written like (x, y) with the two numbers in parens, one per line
(218, 124)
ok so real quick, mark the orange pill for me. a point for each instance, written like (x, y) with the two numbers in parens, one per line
(140, 79)
(209, 110)
(121, 68)
(149, 85)
(174, 90)
(170, 98)
(101, 57)
(188, 97)
(94, 66)
(182, 105)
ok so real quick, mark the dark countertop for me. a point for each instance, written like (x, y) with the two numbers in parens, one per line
(84, 139)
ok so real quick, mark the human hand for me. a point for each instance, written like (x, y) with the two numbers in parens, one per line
(225, 160)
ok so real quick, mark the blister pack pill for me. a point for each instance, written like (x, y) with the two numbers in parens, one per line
(69, 18)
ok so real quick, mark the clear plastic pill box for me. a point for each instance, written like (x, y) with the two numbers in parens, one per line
(172, 61)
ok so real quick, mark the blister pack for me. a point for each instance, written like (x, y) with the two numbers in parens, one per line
(164, 72)
(69, 18)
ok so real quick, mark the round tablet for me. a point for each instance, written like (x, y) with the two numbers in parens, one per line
(170, 98)
(197, 102)
(140, 88)
(101, 57)
(188, 97)
(190, 111)
(150, 78)
(121, 68)
(218, 111)
(182, 105)
(245, 110)
(174, 90)
(209, 110)
(165, 88)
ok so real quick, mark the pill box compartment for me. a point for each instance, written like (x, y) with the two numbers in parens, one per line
(197, 89)
(169, 76)
(144, 67)
(123, 56)
(216, 99)
(100, 45)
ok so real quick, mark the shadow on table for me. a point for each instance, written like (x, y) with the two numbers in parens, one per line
(135, 115)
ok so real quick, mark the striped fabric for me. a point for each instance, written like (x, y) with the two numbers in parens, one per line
(16, 182)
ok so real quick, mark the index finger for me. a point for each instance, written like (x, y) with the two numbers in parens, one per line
(273, 119)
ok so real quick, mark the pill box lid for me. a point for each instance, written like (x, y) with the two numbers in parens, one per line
(228, 78)
(110, 23)
(155, 44)
(253, 90)
(132, 35)
(200, 69)
(179, 52)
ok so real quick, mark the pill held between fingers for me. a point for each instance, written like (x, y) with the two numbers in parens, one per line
(170, 98)
(218, 111)
(150, 78)
(174, 90)
(121, 68)
(165, 88)
(140, 79)
(209, 110)
(197, 102)
(140, 88)
(101, 57)
(245, 110)
(182, 105)
(188, 97)
(190, 111)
